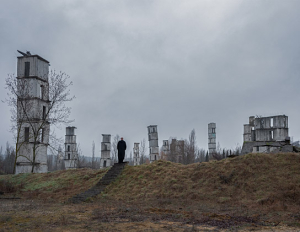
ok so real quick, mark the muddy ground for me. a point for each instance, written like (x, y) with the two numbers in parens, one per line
(159, 215)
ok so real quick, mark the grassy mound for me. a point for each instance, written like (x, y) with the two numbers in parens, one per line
(248, 179)
(59, 185)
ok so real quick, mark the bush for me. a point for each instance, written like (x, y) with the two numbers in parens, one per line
(6, 186)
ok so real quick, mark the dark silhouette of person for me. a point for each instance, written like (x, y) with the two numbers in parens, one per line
(121, 150)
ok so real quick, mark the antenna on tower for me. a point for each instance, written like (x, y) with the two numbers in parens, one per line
(24, 54)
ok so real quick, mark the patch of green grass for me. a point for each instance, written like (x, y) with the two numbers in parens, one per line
(42, 185)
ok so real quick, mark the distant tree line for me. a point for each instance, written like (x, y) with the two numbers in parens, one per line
(7, 158)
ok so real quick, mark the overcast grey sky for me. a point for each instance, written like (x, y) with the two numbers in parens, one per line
(176, 64)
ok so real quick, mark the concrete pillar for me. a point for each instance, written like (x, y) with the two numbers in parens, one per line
(105, 160)
(153, 143)
(71, 155)
(136, 154)
(32, 152)
(212, 139)
(165, 149)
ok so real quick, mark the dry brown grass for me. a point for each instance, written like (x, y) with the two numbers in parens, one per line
(249, 180)
(255, 190)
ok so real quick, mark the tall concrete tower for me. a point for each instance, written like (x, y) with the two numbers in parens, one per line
(165, 149)
(212, 145)
(136, 154)
(32, 116)
(105, 160)
(153, 143)
(71, 155)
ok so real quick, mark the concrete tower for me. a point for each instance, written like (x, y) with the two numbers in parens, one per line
(212, 145)
(105, 160)
(165, 149)
(71, 156)
(32, 108)
(136, 154)
(153, 143)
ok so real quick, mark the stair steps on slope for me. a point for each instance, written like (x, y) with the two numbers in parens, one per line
(106, 180)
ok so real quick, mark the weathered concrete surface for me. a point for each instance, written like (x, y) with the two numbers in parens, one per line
(266, 135)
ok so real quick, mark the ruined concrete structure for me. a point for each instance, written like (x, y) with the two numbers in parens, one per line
(165, 150)
(32, 108)
(212, 139)
(136, 154)
(153, 143)
(71, 155)
(176, 150)
(105, 160)
(266, 134)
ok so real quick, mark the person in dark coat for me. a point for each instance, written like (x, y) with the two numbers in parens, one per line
(121, 150)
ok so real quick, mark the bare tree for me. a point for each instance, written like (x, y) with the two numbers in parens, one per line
(190, 148)
(217, 155)
(28, 112)
(1, 161)
(7, 159)
(93, 155)
(81, 162)
(200, 155)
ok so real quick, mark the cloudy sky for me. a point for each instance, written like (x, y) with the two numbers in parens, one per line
(176, 64)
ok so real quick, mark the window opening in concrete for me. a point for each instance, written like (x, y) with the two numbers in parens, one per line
(154, 157)
(42, 135)
(271, 123)
(272, 135)
(213, 130)
(104, 163)
(27, 69)
(44, 112)
(68, 147)
(257, 148)
(153, 129)
(42, 92)
(26, 134)
(69, 156)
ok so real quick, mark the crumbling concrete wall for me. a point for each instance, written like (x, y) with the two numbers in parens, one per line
(266, 135)
(153, 143)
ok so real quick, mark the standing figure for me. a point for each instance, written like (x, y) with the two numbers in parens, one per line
(121, 150)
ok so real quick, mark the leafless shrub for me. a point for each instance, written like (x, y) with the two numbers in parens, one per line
(7, 187)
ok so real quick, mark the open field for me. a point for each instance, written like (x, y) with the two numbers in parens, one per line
(251, 192)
